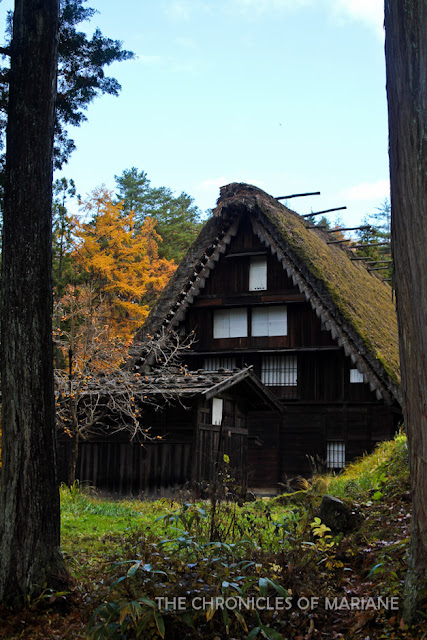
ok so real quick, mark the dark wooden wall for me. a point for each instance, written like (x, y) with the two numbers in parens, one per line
(213, 441)
(163, 460)
(323, 406)
(124, 468)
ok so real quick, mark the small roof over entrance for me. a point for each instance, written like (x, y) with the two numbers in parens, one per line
(186, 384)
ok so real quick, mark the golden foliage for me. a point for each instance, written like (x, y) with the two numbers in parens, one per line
(121, 263)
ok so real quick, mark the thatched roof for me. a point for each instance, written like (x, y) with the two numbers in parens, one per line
(355, 305)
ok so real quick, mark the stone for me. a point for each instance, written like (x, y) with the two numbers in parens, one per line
(336, 515)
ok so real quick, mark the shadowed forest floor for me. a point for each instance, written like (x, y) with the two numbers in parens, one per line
(270, 553)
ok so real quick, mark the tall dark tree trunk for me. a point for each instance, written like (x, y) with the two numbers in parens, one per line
(30, 518)
(406, 60)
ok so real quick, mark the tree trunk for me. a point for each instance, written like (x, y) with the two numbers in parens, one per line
(30, 557)
(74, 455)
(406, 61)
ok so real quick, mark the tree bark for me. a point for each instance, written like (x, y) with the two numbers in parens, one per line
(406, 62)
(30, 558)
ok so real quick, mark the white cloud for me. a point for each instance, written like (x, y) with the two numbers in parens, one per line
(370, 12)
(185, 9)
(186, 43)
(368, 191)
(264, 6)
(152, 60)
(216, 183)
(212, 183)
(180, 9)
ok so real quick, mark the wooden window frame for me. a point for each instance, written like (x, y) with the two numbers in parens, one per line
(226, 315)
(335, 454)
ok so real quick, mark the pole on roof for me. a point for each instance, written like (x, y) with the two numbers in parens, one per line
(376, 268)
(298, 195)
(363, 246)
(338, 241)
(364, 228)
(317, 213)
(380, 261)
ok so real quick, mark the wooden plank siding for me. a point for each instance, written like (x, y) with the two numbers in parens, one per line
(323, 406)
(213, 441)
(124, 468)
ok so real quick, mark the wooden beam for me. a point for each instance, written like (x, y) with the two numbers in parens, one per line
(380, 261)
(298, 195)
(338, 241)
(318, 213)
(246, 253)
(266, 351)
(364, 246)
(365, 228)
(376, 268)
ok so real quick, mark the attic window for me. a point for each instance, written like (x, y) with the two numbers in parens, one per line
(279, 371)
(335, 455)
(269, 321)
(355, 376)
(230, 323)
(258, 273)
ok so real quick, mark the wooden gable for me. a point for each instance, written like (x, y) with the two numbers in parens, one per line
(353, 305)
(260, 289)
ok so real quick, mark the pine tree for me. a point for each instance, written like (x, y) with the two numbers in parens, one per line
(81, 75)
(377, 235)
(177, 218)
(62, 235)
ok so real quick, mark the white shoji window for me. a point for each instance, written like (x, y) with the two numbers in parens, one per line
(217, 406)
(269, 321)
(230, 323)
(356, 376)
(258, 273)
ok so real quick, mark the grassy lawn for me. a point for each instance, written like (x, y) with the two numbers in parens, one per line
(125, 555)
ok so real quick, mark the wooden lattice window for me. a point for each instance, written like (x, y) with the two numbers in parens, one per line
(215, 363)
(279, 371)
(335, 455)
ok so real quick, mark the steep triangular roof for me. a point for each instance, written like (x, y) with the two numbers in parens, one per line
(354, 305)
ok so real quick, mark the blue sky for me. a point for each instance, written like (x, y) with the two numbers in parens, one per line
(288, 95)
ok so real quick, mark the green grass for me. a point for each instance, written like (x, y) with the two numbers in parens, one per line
(383, 471)
(88, 519)
(116, 553)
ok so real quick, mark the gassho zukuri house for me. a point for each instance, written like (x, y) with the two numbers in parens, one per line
(294, 357)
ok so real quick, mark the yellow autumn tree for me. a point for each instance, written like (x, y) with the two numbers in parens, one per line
(120, 264)
(119, 276)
